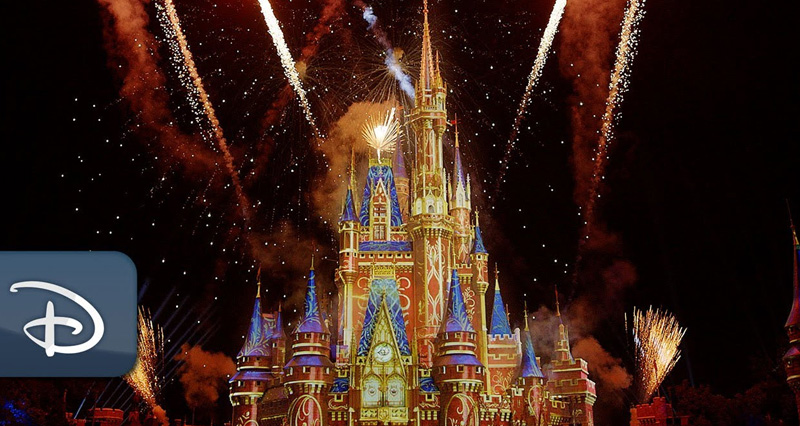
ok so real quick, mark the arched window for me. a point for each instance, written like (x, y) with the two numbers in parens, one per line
(371, 394)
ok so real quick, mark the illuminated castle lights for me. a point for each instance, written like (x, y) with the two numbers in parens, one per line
(413, 342)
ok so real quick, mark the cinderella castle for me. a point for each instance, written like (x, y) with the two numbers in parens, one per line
(413, 342)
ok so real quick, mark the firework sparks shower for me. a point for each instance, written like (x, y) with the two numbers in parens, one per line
(619, 84)
(201, 104)
(289, 68)
(143, 378)
(656, 336)
(381, 133)
(391, 61)
(533, 78)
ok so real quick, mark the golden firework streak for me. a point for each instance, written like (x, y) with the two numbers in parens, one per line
(619, 84)
(656, 337)
(533, 78)
(143, 378)
(182, 57)
(287, 62)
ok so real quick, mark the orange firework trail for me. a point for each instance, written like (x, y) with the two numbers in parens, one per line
(201, 104)
(533, 78)
(619, 84)
(656, 337)
(143, 378)
(289, 68)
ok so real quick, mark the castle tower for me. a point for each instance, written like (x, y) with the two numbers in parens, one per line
(309, 373)
(460, 206)
(430, 227)
(573, 393)
(531, 380)
(456, 370)
(503, 344)
(278, 343)
(791, 360)
(346, 273)
(401, 179)
(253, 367)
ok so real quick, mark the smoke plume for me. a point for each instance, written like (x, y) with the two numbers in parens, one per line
(345, 134)
(133, 56)
(203, 374)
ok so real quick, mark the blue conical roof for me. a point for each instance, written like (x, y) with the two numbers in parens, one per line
(530, 368)
(349, 209)
(312, 320)
(256, 341)
(499, 318)
(478, 247)
(456, 318)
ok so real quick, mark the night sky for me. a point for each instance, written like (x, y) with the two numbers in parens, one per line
(705, 156)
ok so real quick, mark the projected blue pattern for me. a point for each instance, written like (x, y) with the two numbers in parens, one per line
(478, 247)
(384, 289)
(312, 321)
(530, 368)
(375, 174)
(256, 342)
(349, 210)
(384, 246)
(499, 319)
(457, 318)
(426, 384)
(340, 385)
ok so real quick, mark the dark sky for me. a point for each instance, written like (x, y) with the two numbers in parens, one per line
(707, 152)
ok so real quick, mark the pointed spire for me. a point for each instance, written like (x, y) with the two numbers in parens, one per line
(255, 342)
(258, 280)
(312, 320)
(458, 173)
(500, 325)
(478, 247)
(793, 320)
(399, 167)
(530, 367)
(278, 332)
(563, 352)
(456, 318)
(426, 72)
(349, 207)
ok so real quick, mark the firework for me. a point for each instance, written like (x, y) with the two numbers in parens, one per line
(656, 336)
(619, 84)
(143, 378)
(289, 68)
(533, 78)
(381, 133)
(200, 102)
(391, 61)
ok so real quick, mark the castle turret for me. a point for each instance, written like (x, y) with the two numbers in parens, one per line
(253, 366)
(503, 360)
(791, 360)
(309, 373)
(531, 379)
(460, 206)
(458, 373)
(569, 380)
(430, 227)
(346, 273)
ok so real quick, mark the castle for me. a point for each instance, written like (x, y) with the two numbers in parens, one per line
(413, 344)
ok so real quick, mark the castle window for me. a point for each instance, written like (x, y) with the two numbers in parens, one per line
(459, 368)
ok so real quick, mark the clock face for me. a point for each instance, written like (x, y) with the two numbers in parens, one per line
(383, 352)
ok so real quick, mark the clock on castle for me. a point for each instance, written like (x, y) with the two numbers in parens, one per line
(413, 344)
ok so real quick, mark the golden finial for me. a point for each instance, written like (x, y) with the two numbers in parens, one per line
(558, 308)
(313, 253)
(352, 168)
(455, 121)
(791, 224)
(477, 218)
(526, 314)
(258, 281)
(496, 277)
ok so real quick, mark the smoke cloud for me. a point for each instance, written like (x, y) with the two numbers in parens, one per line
(203, 374)
(345, 134)
(133, 57)
(607, 370)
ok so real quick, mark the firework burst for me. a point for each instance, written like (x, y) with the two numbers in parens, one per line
(656, 336)
(619, 84)
(143, 378)
(381, 133)
(200, 103)
(289, 67)
(533, 78)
